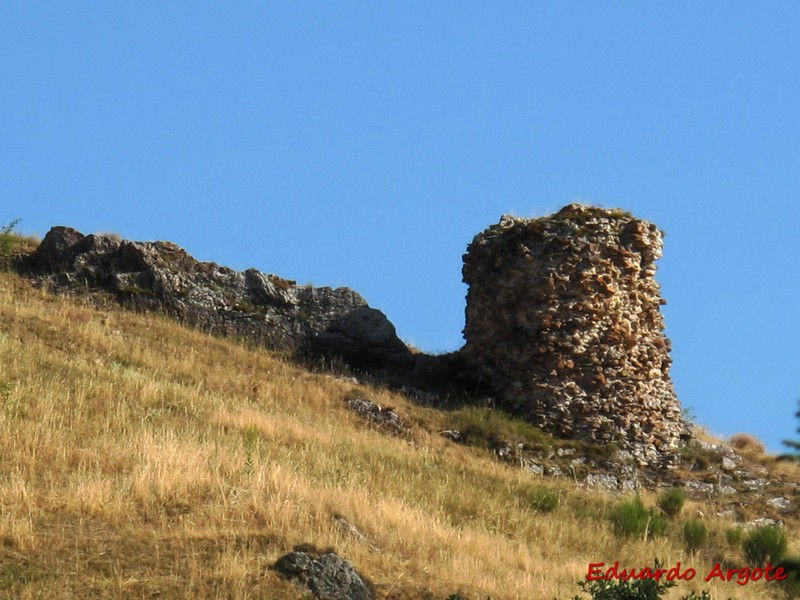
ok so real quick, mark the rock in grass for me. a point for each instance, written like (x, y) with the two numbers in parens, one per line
(328, 576)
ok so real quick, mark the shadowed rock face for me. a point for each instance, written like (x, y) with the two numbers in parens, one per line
(563, 319)
(269, 310)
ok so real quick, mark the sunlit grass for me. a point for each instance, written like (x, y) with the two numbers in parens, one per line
(139, 458)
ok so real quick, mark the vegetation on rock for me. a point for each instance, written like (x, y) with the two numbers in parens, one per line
(671, 501)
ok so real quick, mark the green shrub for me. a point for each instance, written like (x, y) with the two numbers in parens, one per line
(734, 536)
(694, 534)
(658, 525)
(7, 241)
(544, 500)
(632, 519)
(694, 458)
(765, 544)
(251, 438)
(672, 501)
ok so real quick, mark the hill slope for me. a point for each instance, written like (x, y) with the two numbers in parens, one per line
(144, 459)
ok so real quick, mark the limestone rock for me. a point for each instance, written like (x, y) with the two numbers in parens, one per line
(375, 413)
(603, 480)
(698, 490)
(453, 435)
(534, 468)
(328, 576)
(780, 503)
(264, 308)
(563, 318)
(761, 522)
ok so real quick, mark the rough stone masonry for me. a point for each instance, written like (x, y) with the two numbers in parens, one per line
(563, 320)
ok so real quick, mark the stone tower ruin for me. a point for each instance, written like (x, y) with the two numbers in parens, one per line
(563, 320)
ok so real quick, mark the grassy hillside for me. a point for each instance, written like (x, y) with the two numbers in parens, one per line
(142, 459)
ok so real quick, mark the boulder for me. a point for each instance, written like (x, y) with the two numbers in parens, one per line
(328, 576)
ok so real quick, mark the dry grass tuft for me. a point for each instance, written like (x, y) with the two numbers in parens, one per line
(748, 445)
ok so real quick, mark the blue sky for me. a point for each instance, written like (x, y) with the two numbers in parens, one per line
(366, 143)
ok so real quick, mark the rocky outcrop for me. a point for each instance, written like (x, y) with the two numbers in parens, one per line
(328, 576)
(267, 309)
(563, 319)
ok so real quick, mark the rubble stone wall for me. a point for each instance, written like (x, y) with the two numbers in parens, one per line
(563, 319)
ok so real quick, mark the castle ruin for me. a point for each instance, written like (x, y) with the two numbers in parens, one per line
(563, 320)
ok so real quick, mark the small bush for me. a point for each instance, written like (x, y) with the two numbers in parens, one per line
(7, 241)
(658, 525)
(251, 437)
(765, 544)
(694, 458)
(747, 445)
(734, 536)
(544, 500)
(672, 501)
(694, 534)
(631, 519)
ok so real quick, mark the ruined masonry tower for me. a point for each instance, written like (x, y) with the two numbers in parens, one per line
(563, 320)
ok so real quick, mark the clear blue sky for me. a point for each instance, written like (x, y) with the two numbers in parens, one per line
(366, 143)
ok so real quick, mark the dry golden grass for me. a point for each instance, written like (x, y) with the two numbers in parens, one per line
(749, 446)
(142, 459)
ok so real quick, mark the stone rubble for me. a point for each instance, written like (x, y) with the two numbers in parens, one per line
(603, 481)
(563, 319)
(761, 522)
(780, 503)
(454, 435)
(755, 484)
(534, 468)
(375, 413)
(728, 464)
(698, 490)
(347, 528)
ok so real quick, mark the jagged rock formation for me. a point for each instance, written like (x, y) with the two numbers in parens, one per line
(266, 309)
(563, 319)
